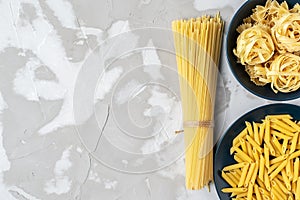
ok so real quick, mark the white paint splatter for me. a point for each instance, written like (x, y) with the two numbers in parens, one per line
(125, 162)
(183, 194)
(85, 31)
(107, 81)
(4, 162)
(121, 40)
(49, 90)
(79, 150)
(93, 176)
(118, 27)
(61, 184)
(168, 111)
(110, 184)
(26, 84)
(124, 93)
(174, 170)
(23, 82)
(40, 37)
(160, 103)
(200, 6)
(22, 193)
(8, 36)
(3, 104)
(151, 62)
(145, 2)
(67, 75)
(64, 12)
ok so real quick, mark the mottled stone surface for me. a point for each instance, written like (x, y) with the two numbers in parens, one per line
(83, 121)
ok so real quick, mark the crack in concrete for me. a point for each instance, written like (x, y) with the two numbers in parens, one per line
(103, 127)
(90, 154)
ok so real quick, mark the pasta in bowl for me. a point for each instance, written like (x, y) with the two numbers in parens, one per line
(260, 155)
(259, 33)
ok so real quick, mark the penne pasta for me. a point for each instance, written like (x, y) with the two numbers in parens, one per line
(298, 189)
(235, 190)
(270, 169)
(296, 170)
(228, 179)
(261, 132)
(235, 166)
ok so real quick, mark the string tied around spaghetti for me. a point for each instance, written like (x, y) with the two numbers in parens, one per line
(195, 124)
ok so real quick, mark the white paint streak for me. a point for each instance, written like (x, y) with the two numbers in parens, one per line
(26, 84)
(107, 81)
(118, 27)
(160, 103)
(40, 37)
(61, 184)
(151, 62)
(4, 162)
(49, 90)
(121, 40)
(85, 31)
(123, 94)
(93, 176)
(23, 82)
(200, 6)
(64, 12)
(79, 150)
(3, 104)
(174, 170)
(22, 193)
(168, 112)
(110, 184)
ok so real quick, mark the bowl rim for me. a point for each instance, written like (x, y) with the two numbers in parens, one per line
(286, 97)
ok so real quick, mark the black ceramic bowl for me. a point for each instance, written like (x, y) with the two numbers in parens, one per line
(222, 156)
(238, 69)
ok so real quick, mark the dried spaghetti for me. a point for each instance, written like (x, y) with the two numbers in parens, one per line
(198, 43)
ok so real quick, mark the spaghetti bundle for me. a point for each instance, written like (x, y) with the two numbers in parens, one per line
(197, 44)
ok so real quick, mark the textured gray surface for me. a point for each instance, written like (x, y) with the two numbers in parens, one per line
(44, 47)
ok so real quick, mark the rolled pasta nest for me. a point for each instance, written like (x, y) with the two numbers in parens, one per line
(269, 46)
(254, 46)
(286, 33)
(284, 73)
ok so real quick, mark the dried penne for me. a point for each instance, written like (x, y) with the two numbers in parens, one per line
(267, 169)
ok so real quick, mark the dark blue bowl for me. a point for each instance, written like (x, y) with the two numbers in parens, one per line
(222, 156)
(238, 69)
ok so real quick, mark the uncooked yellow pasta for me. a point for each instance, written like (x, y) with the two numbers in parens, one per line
(269, 44)
(259, 174)
(197, 45)
(254, 46)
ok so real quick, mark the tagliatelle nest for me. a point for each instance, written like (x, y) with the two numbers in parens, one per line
(284, 73)
(286, 33)
(269, 46)
(254, 46)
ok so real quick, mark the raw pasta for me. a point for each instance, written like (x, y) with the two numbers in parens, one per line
(254, 46)
(266, 176)
(197, 45)
(269, 46)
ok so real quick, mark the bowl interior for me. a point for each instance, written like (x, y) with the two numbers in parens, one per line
(222, 156)
(238, 69)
